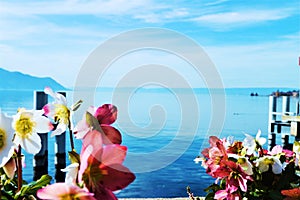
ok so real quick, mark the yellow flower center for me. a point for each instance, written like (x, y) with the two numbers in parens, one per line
(269, 161)
(62, 113)
(241, 161)
(68, 197)
(24, 126)
(2, 138)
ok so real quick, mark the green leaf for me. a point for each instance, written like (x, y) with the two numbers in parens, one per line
(93, 122)
(33, 187)
(76, 105)
(74, 157)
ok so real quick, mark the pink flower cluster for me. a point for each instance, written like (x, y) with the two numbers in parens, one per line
(245, 169)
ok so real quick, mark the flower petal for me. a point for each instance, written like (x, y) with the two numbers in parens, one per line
(106, 114)
(32, 144)
(58, 191)
(94, 139)
(113, 154)
(59, 98)
(43, 124)
(10, 168)
(81, 129)
(111, 135)
(49, 110)
(101, 193)
(277, 166)
(221, 194)
(117, 177)
(72, 171)
(61, 127)
(242, 183)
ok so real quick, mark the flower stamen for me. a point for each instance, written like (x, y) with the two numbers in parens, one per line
(2, 138)
(62, 113)
(24, 126)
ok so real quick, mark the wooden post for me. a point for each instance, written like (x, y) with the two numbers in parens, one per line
(40, 161)
(272, 140)
(285, 105)
(272, 119)
(285, 141)
(60, 155)
(272, 109)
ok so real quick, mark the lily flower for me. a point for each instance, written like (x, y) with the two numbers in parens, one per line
(251, 143)
(27, 123)
(62, 191)
(58, 111)
(264, 163)
(6, 139)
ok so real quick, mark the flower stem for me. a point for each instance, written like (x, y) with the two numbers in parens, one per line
(71, 137)
(19, 167)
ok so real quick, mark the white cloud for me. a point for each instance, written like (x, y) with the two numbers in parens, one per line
(215, 2)
(293, 36)
(226, 20)
(96, 7)
(163, 16)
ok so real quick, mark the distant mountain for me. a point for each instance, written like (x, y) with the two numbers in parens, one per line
(19, 81)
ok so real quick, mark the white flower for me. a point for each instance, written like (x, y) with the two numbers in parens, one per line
(72, 171)
(250, 143)
(58, 111)
(27, 123)
(198, 159)
(296, 149)
(243, 162)
(264, 163)
(6, 139)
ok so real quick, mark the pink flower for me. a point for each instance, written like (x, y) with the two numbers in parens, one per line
(229, 193)
(276, 150)
(237, 176)
(214, 154)
(101, 167)
(105, 115)
(62, 191)
(233, 174)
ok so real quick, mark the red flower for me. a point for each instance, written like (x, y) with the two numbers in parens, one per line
(106, 114)
(291, 193)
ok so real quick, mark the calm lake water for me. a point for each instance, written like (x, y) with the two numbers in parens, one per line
(164, 131)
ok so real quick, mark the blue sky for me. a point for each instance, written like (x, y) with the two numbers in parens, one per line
(252, 43)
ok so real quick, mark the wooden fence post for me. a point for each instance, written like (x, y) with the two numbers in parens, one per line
(272, 119)
(40, 161)
(60, 155)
